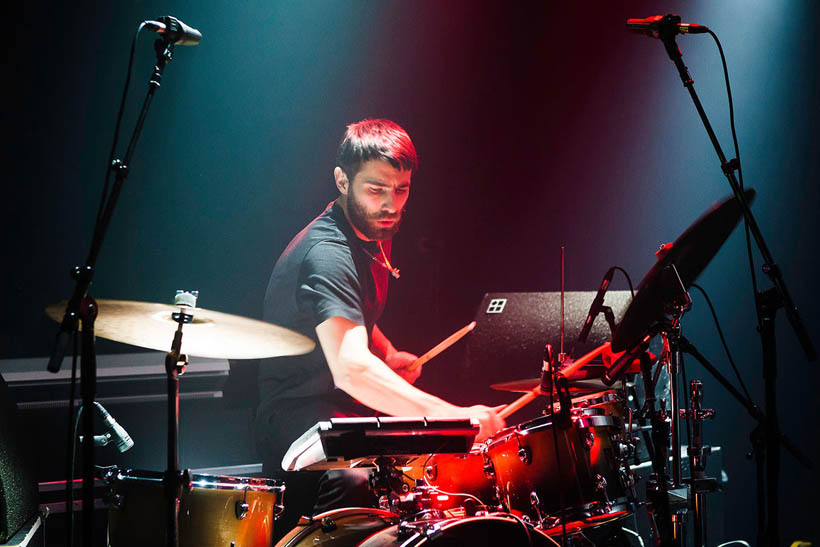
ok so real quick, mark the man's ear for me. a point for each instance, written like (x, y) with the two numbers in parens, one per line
(341, 181)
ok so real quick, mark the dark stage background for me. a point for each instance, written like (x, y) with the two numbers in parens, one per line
(537, 126)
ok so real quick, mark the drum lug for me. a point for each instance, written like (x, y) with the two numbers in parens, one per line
(525, 455)
(278, 509)
(535, 502)
(241, 509)
(589, 440)
(600, 486)
(328, 525)
(431, 472)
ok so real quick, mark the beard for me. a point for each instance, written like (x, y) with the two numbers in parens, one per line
(367, 223)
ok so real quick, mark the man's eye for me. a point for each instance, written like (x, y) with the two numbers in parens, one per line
(374, 190)
(402, 190)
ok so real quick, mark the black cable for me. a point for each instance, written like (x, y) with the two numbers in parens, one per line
(107, 182)
(739, 168)
(723, 340)
(628, 279)
(72, 436)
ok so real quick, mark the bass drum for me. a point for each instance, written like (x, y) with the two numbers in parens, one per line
(339, 528)
(215, 511)
(496, 529)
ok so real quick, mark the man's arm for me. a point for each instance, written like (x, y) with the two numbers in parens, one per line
(398, 361)
(364, 376)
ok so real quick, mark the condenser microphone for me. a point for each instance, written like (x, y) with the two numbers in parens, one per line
(175, 31)
(119, 435)
(651, 26)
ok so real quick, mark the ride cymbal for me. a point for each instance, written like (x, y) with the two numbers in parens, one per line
(210, 333)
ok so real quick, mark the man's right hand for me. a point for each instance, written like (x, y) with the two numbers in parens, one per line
(491, 423)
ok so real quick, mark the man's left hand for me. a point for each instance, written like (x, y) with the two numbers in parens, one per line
(399, 361)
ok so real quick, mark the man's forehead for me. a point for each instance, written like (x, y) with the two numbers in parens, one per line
(380, 170)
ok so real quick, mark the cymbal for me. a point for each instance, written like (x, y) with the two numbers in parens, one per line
(690, 253)
(209, 334)
(576, 387)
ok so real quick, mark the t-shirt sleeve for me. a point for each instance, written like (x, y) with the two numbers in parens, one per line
(329, 285)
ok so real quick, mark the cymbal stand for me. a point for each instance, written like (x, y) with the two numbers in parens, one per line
(698, 452)
(82, 308)
(767, 303)
(175, 363)
(669, 498)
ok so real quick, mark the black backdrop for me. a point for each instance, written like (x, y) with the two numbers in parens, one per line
(537, 126)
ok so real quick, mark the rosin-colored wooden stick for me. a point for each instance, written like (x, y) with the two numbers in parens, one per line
(578, 363)
(519, 403)
(443, 345)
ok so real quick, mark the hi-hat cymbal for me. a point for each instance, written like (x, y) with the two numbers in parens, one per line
(210, 334)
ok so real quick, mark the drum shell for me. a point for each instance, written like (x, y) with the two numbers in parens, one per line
(207, 511)
(525, 460)
(460, 474)
(485, 530)
(340, 527)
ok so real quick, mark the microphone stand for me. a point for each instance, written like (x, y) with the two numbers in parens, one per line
(82, 308)
(766, 303)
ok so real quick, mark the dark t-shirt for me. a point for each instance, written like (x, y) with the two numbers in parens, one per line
(324, 272)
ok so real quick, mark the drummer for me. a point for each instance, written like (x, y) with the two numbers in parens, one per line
(330, 284)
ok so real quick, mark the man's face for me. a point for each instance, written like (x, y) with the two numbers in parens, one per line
(375, 199)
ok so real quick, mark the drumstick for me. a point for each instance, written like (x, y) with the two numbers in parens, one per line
(584, 360)
(441, 346)
(519, 403)
(530, 396)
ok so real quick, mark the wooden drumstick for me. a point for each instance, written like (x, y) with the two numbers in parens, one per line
(530, 396)
(519, 403)
(584, 360)
(441, 346)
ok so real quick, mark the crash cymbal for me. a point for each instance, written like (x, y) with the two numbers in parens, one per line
(690, 253)
(210, 334)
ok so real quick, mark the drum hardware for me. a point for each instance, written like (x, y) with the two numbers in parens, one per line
(241, 508)
(698, 452)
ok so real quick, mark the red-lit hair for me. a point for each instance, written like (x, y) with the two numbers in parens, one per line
(377, 139)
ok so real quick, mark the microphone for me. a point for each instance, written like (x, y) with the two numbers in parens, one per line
(618, 368)
(175, 31)
(651, 26)
(546, 365)
(596, 306)
(119, 435)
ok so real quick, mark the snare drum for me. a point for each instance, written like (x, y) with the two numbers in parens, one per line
(589, 485)
(215, 511)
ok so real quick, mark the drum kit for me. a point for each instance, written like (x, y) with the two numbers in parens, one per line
(563, 477)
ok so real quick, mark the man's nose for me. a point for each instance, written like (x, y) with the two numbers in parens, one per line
(388, 203)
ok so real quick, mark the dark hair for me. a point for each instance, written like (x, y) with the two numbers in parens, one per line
(375, 140)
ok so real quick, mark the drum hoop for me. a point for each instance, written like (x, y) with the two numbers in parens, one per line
(204, 481)
(545, 423)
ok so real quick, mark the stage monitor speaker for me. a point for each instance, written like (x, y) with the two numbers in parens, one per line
(18, 483)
